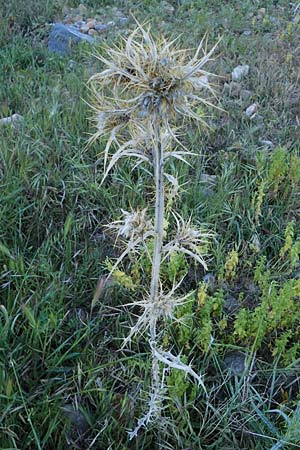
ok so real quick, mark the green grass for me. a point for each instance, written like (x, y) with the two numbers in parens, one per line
(64, 383)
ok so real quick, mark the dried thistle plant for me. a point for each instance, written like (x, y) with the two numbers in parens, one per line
(137, 100)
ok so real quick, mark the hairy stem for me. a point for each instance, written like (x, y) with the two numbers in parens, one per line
(158, 165)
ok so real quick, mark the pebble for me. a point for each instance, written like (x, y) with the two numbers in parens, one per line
(240, 72)
(14, 120)
(245, 94)
(71, 64)
(235, 362)
(101, 28)
(208, 179)
(93, 32)
(210, 280)
(266, 143)
(76, 417)
(168, 7)
(62, 37)
(251, 110)
(231, 305)
(91, 23)
(262, 11)
(79, 24)
(123, 21)
(233, 89)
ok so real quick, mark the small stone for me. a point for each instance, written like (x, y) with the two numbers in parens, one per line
(257, 117)
(71, 64)
(62, 37)
(266, 143)
(251, 110)
(91, 24)
(168, 7)
(245, 94)
(210, 280)
(231, 305)
(123, 21)
(101, 28)
(111, 23)
(84, 29)
(235, 362)
(99, 383)
(76, 418)
(233, 89)
(240, 72)
(208, 179)
(15, 120)
(208, 183)
(256, 243)
(79, 24)
(93, 32)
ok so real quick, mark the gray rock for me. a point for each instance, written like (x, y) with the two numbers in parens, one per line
(245, 94)
(123, 21)
(231, 305)
(79, 24)
(252, 110)
(233, 89)
(210, 180)
(62, 37)
(101, 28)
(84, 29)
(76, 418)
(240, 72)
(235, 362)
(208, 183)
(71, 64)
(266, 143)
(14, 120)
(210, 280)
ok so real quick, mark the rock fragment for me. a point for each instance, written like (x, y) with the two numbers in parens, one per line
(63, 37)
(240, 72)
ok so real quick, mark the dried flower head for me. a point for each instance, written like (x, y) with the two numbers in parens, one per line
(134, 224)
(146, 80)
(188, 240)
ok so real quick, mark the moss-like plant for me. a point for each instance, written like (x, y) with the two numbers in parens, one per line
(138, 99)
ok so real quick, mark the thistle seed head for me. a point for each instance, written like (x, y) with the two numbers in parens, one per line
(134, 224)
(148, 80)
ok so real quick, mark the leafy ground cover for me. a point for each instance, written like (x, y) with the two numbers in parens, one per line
(64, 383)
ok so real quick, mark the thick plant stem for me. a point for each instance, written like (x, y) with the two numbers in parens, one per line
(158, 162)
(158, 165)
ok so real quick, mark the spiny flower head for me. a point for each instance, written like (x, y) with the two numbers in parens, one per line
(133, 225)
(188, 240)
(144, 79)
